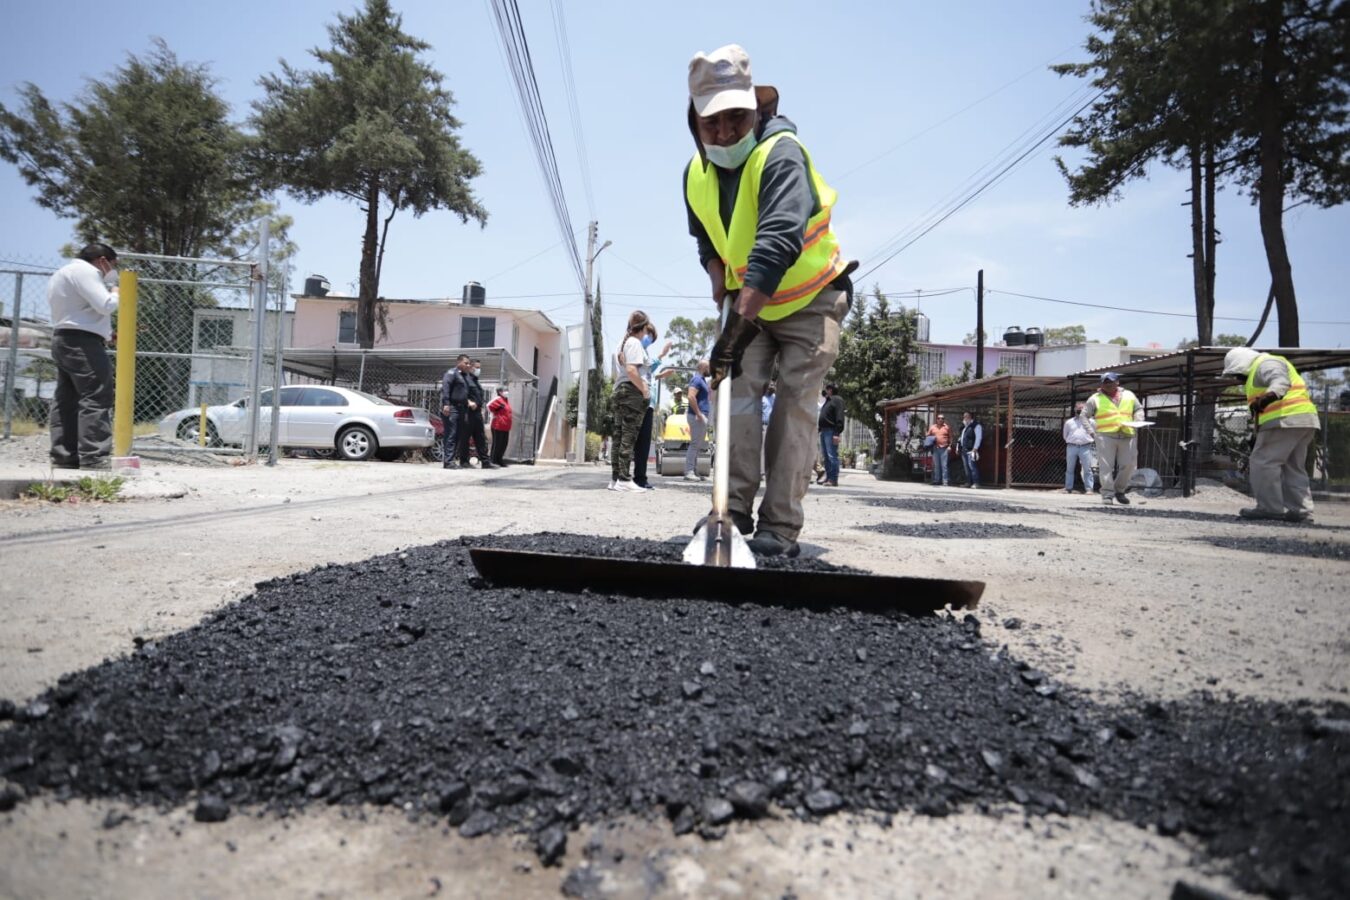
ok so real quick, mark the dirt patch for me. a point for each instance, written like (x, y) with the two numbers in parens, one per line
(401, 681)
(1281, 546)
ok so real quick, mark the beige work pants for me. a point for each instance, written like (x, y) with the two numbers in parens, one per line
(803, 346)
(1116, 459)
(1278, 470)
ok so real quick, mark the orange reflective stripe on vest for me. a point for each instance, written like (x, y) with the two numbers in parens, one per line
(819, 262)
(1295, 402)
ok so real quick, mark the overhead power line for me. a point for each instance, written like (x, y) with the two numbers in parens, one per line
(1144, 312)
(520, 66)
(1000, 168)
(573, 108)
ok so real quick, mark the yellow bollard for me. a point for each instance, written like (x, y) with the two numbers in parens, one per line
(201, 428)
(124, 401)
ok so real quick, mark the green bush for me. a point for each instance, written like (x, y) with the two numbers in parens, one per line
(593, 442)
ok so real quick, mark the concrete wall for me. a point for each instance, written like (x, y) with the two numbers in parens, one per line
(1072, 358)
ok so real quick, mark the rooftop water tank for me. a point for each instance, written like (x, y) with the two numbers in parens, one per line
(1013, 336)
(921, 326)
(1034, 336)
(316, 286)
(474, 294)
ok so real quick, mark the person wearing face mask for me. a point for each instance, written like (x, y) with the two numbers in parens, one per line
(972, 436)
(82, 296)
(759, 211)
(474, 429)
(500, 409)
(643, 448)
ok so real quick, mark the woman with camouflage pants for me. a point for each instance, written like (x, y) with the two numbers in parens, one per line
(630, 403)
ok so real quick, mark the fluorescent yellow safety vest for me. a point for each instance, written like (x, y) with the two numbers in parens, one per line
(1295, 402)
(1112, 418)
(819, 262)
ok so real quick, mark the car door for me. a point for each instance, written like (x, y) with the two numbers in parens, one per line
(314, 420)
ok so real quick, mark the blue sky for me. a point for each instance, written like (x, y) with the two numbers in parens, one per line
(882, 94)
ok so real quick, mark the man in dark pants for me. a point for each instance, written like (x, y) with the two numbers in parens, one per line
(830, 424)
(82, 296)
(474, 421)
(454, 408)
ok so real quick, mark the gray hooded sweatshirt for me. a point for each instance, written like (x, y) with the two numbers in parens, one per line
(1272, 375)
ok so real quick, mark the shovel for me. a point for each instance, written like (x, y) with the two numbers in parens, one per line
(717, 541)
(719, 565)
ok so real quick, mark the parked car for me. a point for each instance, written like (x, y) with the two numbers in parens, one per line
(353, 424)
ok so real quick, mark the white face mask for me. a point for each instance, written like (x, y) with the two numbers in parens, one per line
(505, 394)
(478, 371)
(734, 156)
(112, 278)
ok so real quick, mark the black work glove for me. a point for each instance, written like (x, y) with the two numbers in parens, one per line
(1259, 405)
(730, 347)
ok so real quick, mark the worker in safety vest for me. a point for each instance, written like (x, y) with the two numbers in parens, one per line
(760, 212)
(1111, 410)
(1286, 422)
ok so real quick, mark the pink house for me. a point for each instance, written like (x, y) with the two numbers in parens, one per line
(529, 336)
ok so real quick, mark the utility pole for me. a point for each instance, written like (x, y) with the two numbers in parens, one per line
(583, 389)
(979, 325)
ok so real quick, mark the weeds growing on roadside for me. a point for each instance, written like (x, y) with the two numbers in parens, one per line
(89, 488)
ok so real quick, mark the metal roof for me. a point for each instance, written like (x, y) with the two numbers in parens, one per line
(414, 366)
(1168, 373)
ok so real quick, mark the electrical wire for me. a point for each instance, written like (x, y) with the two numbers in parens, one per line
(1143, 312)
(520, 66)
(1015, 155)
(573, 108)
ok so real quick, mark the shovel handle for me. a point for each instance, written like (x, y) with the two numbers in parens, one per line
(722, 454)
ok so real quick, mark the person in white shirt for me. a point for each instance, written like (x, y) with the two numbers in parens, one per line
(630, 403)
(1079, 436)
(82, 296)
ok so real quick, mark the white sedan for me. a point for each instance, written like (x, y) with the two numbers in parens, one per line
(353, 424)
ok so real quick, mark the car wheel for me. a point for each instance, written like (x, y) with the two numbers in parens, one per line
(388, 455)
(188, 431)
(356, 443)
(436, 452)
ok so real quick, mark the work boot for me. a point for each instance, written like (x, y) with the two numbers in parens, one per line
(1255, 512)
(1121, 498)
(1302, 518)
(768, 543)
(484, 464)
(744, 522)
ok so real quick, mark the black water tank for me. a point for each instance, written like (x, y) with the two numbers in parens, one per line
(316, 286)
(1345, 401)
(474, 294)
(1014, 337)
(1034, 336)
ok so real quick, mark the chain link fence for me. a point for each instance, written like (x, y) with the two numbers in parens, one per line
(1022, 445)
(197, 343)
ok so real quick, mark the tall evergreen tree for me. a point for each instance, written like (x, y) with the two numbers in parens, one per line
(875, 361)
(374, 125)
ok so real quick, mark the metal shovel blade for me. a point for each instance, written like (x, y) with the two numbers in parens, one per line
(777, 587)
(718, 542)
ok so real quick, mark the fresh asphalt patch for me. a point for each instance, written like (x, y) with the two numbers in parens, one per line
(405, 680)
(942, 505)
(952, 530)
(1277, 546)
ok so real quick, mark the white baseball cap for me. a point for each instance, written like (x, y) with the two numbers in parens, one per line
(721, 80)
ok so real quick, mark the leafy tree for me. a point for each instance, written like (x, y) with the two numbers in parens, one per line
(875, 362)
(1249, 90)
(372, 125)
(691, 340)
(148, 160)
(970, 339)
(1122, 341)
(145, 159)
(1068, 334)
(966, 374)
(1220, 340)
(599, 406)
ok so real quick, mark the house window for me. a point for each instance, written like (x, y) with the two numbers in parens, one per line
(534, 367)
(932, 365)
(215, 331)
(1015, 363)
(347, 327)
(477, 331)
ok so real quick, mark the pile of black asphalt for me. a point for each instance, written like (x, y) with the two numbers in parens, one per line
(404, 679)
(943, 505)
(1279, 546)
